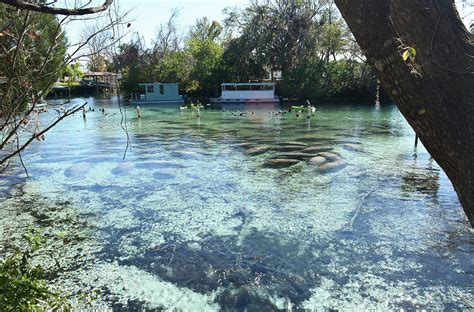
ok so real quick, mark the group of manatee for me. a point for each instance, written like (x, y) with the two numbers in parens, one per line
(321, 156)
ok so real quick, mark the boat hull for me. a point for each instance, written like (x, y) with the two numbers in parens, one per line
(145, 102)
(244, 101)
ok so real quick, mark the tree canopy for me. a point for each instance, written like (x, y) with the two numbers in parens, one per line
(37, 63)
(294, 38)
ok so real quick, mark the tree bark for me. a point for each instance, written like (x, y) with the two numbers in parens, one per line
(434, 88)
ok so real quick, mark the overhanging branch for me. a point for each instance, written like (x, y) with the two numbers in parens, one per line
(38, 7)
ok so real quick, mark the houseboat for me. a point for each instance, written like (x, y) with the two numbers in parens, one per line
(256, 92)
(157, 93)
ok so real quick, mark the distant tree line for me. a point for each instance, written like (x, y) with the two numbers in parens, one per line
(306, 42)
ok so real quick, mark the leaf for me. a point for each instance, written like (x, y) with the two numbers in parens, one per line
(405, 56)
(409, 53)
(422, 111)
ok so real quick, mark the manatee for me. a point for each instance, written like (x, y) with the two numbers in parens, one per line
(317, 149)
(296, 155)
(294, 143)
(331, 156)
(332, 166)
(287, 148)
(257, 150)
(123, 168)
(353, 147)
(317, 161)
(163, 175)
(280, 162)
(246, 145)
(158, 164)
(78, 169)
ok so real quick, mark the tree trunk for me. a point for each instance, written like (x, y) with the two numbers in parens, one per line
(434, 88)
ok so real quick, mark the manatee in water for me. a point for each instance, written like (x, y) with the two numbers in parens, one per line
(163, 175)
(353, 147)
(78, 169)
(317, 161)
(257, 150)
(317, 149)
(294, 143)
(296, 155)
(331, 156)
(123, 168)
(280, 162)
(332, 166)
(287, 148)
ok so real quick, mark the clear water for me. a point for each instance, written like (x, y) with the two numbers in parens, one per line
(190, 220)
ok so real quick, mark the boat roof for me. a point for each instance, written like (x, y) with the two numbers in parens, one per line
(158, 83)
(248, 84)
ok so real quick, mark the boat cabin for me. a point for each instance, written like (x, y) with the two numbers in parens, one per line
(157, 93)
(248, 92)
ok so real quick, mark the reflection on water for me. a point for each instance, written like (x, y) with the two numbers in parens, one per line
(248, 208)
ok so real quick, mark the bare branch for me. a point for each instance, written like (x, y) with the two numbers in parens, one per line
(37, 7)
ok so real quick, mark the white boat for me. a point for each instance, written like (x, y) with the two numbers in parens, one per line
(40, 104)
(157, 93)
(255, 92)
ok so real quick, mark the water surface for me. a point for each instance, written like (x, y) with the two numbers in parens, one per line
(196, 217)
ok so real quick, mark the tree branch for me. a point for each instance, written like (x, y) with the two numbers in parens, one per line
(37, 7)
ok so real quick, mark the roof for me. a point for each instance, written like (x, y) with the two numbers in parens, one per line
(248, 84)
(158, 83)
(100, 74)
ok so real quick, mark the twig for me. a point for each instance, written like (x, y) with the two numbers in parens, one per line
(23, 5)
(19, 155)
(66, 114)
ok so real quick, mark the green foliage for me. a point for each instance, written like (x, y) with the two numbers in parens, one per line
(205, 30)
(33, 51)
(23, 286)
(205, 58)
(72, 72)
(315, 78)
(306, 40)
(237, 65)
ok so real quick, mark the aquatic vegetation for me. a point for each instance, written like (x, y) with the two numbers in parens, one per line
(24, 285)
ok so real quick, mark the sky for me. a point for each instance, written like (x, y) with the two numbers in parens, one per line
(147, 15)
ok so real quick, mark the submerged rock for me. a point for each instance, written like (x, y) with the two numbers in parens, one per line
(317, 161)
(280, 162)
(332, 166)
(257, 150)
(210, 142)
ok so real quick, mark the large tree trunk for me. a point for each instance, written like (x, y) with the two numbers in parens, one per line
(435, 89)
